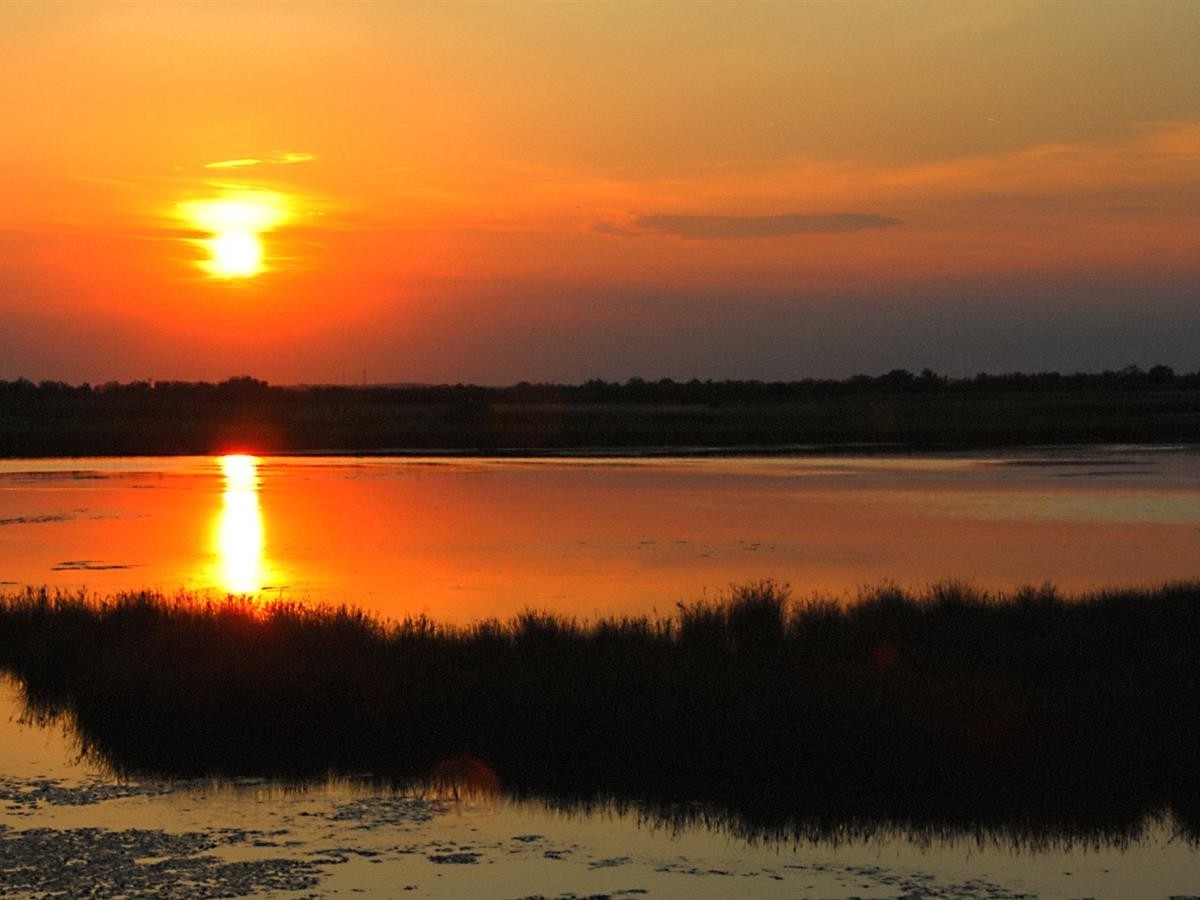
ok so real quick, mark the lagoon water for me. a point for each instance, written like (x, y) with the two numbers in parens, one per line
(458, 539)
(461, 539)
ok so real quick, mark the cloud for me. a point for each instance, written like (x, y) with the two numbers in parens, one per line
(283, 159)
(232, 163)
(1063, 185)
(693, 227)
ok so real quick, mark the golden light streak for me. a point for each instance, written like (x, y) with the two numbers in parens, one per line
(239, 537)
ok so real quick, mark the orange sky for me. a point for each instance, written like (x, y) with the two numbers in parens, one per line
(498, 192)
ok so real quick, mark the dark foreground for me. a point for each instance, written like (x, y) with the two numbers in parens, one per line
(1030, 714)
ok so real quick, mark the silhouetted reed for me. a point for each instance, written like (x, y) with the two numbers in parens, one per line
(1027, 712)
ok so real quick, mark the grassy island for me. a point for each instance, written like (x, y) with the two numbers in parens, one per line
(955, 708)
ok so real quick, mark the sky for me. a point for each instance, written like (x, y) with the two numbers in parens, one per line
(552, 192)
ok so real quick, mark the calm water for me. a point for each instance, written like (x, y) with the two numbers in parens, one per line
(68, 827)
(463, 538)
(459, 539)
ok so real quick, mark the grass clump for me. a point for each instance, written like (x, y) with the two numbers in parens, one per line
(949, 706)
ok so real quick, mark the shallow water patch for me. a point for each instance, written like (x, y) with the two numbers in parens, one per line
(51, 862)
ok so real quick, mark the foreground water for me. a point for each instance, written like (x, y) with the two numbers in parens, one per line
(66, 828)
(460, 539)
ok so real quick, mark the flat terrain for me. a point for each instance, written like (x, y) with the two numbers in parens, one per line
(895, 412)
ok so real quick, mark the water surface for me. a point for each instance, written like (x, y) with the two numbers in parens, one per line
(463, 538)
(459, 539)
(69, 827)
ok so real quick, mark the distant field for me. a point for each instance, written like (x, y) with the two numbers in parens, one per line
(897, 411)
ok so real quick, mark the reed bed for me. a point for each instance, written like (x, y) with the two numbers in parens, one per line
(951, 706)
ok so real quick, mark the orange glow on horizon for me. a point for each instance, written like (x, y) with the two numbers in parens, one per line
(301, 191)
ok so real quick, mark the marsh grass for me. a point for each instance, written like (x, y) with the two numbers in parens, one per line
(952, 708)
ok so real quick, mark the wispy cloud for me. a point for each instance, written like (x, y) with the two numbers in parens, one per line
(697, 227)
(1156, 167)
(283, 159)
(232, 163)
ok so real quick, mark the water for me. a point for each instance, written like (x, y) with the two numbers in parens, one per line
(66, 826)
(459, 539)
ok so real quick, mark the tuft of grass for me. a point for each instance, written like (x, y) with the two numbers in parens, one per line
(953, 707)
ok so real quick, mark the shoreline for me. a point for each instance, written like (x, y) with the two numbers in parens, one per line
(665, 452)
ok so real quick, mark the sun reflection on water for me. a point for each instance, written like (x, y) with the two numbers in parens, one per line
(239, 529)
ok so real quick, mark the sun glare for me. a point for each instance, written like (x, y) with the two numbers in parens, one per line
(235, 254)
(236, 220)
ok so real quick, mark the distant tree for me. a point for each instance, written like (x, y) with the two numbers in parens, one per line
(929, 380)
(897, 379)
(243, 388)
(1161, 375)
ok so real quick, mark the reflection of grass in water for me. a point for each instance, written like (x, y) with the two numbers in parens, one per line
(1026, 712)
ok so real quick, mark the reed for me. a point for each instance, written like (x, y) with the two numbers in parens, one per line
(949, 706)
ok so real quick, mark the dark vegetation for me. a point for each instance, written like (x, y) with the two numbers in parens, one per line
(896, 410)
(1031, 714)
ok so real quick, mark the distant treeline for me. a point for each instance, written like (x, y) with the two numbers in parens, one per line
(900, 409)
(634, 390)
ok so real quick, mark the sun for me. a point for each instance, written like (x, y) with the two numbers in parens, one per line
(235, 221)
(234, 254)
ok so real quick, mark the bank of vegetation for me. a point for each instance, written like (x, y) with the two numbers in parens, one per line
(1027, 712)
(897, 410)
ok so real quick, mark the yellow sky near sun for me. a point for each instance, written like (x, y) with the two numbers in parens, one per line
(420, 144)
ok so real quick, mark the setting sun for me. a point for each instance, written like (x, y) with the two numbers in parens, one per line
(235, 222)
(235, 254)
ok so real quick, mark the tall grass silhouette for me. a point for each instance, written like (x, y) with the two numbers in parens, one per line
(948, 708)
